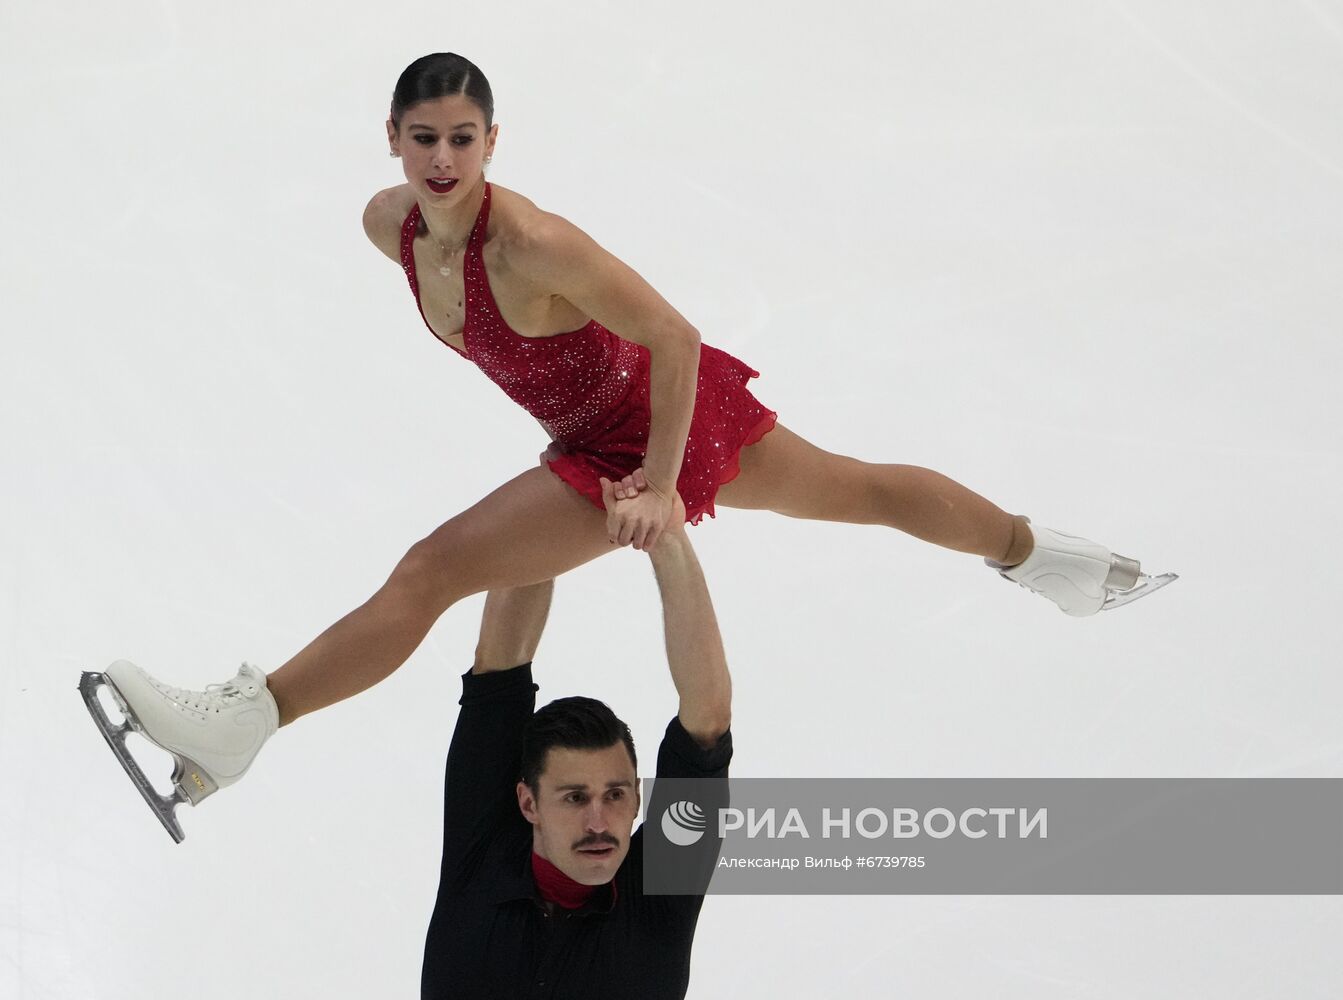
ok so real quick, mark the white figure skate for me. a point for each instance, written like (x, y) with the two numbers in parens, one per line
(213, 735)
(1081, 577)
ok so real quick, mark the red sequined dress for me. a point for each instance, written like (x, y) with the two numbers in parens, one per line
(588, 389)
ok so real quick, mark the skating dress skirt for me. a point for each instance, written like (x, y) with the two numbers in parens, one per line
(589, 389)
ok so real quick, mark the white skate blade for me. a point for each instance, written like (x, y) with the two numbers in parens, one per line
(164, 806)
(1145, 585)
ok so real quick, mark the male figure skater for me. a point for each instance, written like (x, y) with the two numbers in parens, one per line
(541, 887)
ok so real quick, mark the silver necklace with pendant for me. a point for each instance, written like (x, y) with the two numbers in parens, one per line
(444, 269)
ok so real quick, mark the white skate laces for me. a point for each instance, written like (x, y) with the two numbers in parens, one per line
(1078, 575)
(212, 735)
(216, 697)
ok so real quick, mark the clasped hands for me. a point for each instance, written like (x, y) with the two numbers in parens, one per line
(638, 513)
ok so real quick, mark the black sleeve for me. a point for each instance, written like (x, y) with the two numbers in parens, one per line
(484, 763)
(680, 756)
(696, 779)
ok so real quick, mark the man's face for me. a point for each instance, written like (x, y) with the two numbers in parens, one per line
(583, 812)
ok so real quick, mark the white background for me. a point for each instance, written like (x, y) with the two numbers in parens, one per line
(1081, 256)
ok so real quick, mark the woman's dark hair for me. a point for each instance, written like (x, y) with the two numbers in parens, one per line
(574, 724)
(442, 74)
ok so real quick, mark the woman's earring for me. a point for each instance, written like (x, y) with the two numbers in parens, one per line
(393, 152)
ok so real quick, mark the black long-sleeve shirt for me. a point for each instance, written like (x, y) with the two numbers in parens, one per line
(490, 935)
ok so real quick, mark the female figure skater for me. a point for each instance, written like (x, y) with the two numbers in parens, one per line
(628, 394)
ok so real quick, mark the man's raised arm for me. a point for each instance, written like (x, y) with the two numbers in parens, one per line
(694, 644)
(511, 626)
(498, 698)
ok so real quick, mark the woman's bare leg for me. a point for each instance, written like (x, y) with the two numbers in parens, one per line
(531, 529)
(788, 474)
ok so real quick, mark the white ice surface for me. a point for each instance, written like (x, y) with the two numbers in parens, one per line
(1082, 256)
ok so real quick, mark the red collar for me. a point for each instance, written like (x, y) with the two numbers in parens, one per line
(558, 888)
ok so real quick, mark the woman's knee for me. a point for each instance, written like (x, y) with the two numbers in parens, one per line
(433, 568)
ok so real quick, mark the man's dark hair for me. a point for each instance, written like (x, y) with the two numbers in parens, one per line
(574, 724)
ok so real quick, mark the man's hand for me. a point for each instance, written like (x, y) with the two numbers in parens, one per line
(632, 484)
(640, 518)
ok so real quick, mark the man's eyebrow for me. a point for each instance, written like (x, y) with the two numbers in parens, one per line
(422, 125)
(579, 788)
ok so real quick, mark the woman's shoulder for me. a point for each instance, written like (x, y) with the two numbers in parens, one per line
(525, 233)
(514, 217)
(383, 217)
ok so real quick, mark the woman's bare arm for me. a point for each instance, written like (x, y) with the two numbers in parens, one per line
(563, 260)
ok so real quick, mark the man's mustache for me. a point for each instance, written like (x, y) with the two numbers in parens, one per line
(596, 840)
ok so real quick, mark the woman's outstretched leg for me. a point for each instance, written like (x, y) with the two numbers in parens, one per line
(786, 473)
(529, 530)
(532, 528)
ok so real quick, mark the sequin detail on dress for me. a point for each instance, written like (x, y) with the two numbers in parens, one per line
(589, 389)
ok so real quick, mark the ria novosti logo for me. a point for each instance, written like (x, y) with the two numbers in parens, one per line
(683, 823)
